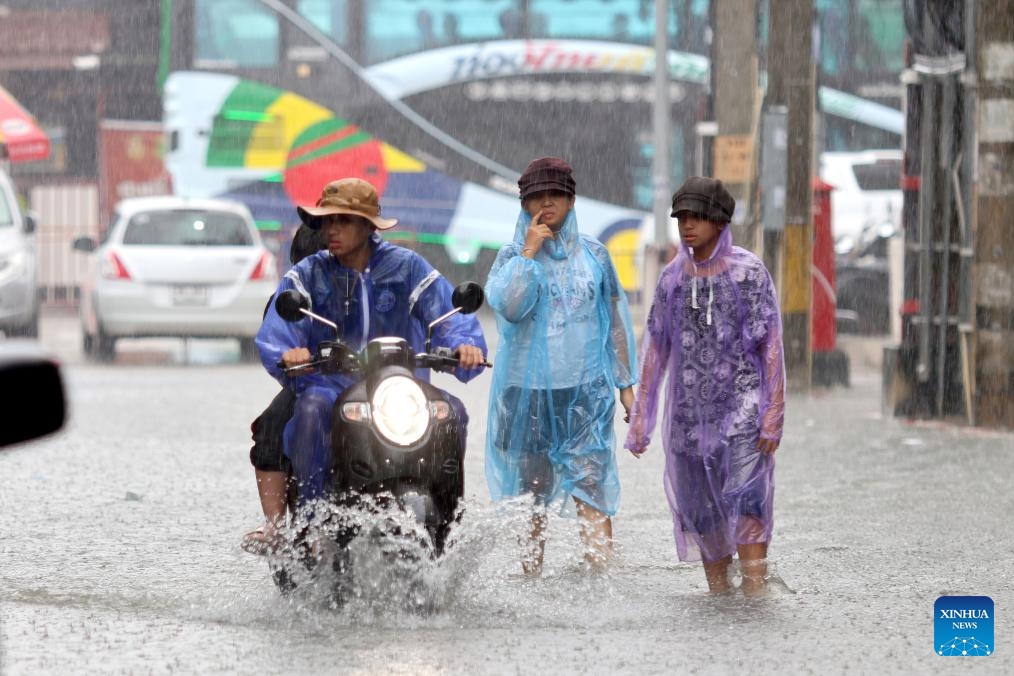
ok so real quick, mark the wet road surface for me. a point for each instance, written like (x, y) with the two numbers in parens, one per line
(120, 549)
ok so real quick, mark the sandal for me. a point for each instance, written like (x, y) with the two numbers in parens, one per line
(264, 539)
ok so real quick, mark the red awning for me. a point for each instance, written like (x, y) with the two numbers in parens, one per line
(20, 132)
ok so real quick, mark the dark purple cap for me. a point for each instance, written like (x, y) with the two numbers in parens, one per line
(706, 197)
(547, 173)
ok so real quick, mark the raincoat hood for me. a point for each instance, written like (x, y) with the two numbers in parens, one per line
(716, 263)
(557, 248)
(721, 252)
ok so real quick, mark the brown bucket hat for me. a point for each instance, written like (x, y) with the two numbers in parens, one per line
(346, 196)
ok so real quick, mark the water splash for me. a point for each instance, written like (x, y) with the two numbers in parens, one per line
(396, 577)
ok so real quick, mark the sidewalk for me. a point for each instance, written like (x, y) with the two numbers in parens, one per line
(865, 352)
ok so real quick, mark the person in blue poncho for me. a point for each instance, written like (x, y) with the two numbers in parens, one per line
(370, 288)
(566, 345)
(266, 455)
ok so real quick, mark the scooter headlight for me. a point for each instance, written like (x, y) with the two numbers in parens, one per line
(400, 410)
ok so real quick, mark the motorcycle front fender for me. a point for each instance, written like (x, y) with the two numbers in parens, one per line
(422, 505)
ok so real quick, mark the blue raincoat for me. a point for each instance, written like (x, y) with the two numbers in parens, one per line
(566, 346)
(398, 294)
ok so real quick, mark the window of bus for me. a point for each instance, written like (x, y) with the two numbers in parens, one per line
(860, 40)
(619, 21)
(234, 34)
(631, 21)
(330, 17)
(398, 27)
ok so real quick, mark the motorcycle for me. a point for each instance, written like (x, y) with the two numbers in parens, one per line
(397, 451)
(863, 278)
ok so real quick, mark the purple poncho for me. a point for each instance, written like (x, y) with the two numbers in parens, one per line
(715, 327)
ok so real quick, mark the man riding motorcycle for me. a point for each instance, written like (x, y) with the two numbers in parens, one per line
(369, 288)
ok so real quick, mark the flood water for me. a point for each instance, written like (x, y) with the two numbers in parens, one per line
(120, 552)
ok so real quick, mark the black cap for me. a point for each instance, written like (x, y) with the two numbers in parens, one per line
(706, 197)
(305, 242)
(547, 173)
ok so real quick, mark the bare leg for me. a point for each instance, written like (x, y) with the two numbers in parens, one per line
(597, 535)
(717, 573)
(535, 546)
(272, 490)
(753, 562)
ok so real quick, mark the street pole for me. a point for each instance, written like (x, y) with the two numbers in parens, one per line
(654, 251)
(791, 83)
(734, 96)
(994, 203)
(660, 126)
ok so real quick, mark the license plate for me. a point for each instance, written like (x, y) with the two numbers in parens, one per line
(190, 295)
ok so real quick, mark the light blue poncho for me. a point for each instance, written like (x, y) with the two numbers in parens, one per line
(566, 345)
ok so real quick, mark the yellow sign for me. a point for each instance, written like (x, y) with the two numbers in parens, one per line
(733, 157)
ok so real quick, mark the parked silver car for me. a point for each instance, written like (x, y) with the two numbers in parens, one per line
(865, 215)
(19, 294)
(171, 266)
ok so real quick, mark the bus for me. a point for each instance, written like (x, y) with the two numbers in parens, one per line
(440, 104)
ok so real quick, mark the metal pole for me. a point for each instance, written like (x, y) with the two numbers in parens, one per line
(966, 212)
(927, 194)
(660, 127)
(654, 250)
(946, 153)
(791, 72)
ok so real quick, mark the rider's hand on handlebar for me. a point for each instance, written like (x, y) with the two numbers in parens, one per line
(295, 357)
(469, 356)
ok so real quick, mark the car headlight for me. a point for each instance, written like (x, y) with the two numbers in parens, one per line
(400, 410)
(12, 263)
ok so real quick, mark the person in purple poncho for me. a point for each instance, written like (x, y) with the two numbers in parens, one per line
(715, 328)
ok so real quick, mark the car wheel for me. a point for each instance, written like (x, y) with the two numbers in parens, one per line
(105, 348)
(88, 344)
(29, 329)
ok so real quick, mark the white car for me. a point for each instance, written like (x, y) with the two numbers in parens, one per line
(19, 295)
(171, 266)
(865, 215)
(866, 200)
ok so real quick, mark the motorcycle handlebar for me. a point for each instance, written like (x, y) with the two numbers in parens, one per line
(299, 367)
(442, 360)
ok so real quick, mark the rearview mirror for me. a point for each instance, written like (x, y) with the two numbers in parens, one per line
(25, 370)
(469, 297)
(289, 305)
(86, 244)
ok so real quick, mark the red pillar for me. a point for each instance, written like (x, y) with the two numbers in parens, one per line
(824, 333)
